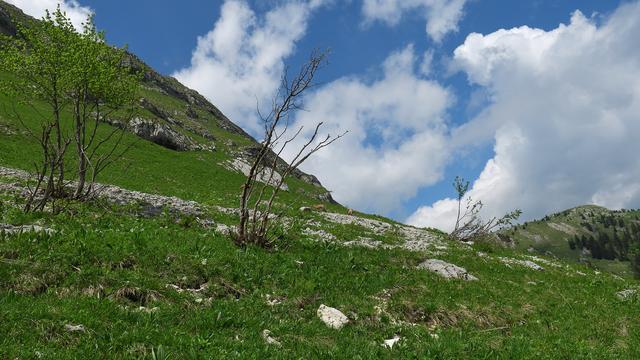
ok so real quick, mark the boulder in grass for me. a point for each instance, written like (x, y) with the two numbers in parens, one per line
(333, 318)
(446, 270)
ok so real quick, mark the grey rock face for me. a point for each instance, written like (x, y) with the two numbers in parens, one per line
(446, 270)
(165, 136)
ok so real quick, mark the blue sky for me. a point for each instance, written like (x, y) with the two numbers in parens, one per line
(415, 130)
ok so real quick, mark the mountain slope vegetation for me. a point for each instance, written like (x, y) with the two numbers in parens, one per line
(147, 269)
(591, 234)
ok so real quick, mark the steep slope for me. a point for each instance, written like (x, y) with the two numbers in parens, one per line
(170, 115)
(590, 234)
(115, 279)
(147, 270)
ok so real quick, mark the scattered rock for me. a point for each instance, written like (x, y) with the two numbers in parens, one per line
(305, 209)
(565, 228)
(415, 239)
(390, 342)
(191, 113)
(75, 328)
(122, 196)
(627, 294)
(224, 229)
(148, 310)
(266, 335)
(11, 230)
(319, 234)
(273, 300)
(332, 317)
(526, 263)
(267, 175)
(446, 270)
(7, 130)
(544, 261)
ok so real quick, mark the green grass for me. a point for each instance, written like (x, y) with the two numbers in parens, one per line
(114, 272)
(46, 282)
(148, 167)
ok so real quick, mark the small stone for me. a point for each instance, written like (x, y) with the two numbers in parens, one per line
(305, 209)
(273, 300)
(266, 335)
(75, 328)
(148, 310)
(332, 317)
(390, 342)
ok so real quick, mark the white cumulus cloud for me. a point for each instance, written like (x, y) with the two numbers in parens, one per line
(37, 8)
(239, 63)
(564, 115)
(397, 134)
(442, 16)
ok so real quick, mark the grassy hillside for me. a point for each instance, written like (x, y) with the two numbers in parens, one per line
(110, 279)
(167, 103)
(138, 285)
(591, 234)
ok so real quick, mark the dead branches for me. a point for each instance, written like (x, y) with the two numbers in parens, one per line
(255, 220)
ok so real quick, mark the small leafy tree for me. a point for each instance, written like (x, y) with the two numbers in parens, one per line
(38, 58)
(469, 225)
(101, 85)
(256, 201)
(461, 187)
(80, 80)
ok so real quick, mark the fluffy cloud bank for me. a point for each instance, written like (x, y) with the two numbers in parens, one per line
(397, 134)
(37, 8)
(240, 61)
(564, 115)
(442, 16)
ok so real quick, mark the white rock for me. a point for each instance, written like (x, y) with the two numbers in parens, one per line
(626, 294)
(390, 342)
(148, 310)
(305, 209)
(526, 263)
(332, 317)
(223, 229)
(544, 261)
(266, 335)
(446, 270)
(10, 229)
(319, 234)
(75, 328)
(266, 175)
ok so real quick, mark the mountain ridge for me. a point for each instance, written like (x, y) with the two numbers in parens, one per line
(190, 123)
